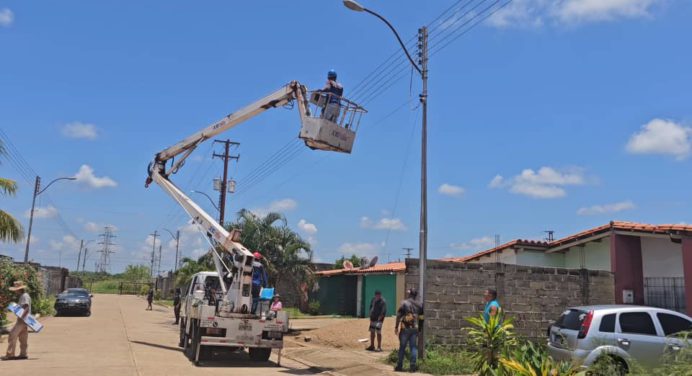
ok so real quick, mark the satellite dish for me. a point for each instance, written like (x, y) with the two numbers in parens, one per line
(348, 265)
(364, 262)
(373, 262)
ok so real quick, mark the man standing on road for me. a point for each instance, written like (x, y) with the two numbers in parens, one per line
(20, 331)
(410, 316)
(150, 299)
(492, 307)
(176, 305)
(378, 310)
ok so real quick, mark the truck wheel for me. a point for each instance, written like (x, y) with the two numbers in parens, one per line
(183, 336)
(259, 354)
(191, 350)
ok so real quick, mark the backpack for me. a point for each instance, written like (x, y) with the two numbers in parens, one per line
(408, 318)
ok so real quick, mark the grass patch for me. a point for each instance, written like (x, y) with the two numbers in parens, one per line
(439, 360)
(294, 313)
(164, 302)
(107, 286)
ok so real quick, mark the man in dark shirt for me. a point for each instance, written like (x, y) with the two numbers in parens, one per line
(410, 316)
(378, 310)
(176, 306)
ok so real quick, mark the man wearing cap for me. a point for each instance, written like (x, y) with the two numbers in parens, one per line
(20, 330)
(334, 91)
(378, 310)
(259, 280)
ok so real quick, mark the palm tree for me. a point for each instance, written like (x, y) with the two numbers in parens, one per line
(10, 228)
(288, 257)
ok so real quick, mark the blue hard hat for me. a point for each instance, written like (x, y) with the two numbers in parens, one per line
(331, 73)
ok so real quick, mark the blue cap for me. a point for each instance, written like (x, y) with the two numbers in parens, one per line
(331, 73)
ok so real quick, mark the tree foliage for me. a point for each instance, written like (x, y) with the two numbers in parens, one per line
(10, 228)
(10, 272)
(355, 260)
(136, 273)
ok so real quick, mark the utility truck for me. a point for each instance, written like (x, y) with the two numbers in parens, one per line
(217, 307)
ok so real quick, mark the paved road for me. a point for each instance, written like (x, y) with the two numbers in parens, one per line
(121, 338)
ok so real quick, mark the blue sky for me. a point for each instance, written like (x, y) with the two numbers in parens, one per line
(550, 115)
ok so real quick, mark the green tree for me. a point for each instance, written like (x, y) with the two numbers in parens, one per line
(136, 273)
(10, 228)
(355, 260)
(286, 253)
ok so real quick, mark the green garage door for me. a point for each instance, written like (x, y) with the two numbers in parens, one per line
(386, 283)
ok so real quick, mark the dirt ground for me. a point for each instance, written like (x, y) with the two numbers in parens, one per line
(346, 333)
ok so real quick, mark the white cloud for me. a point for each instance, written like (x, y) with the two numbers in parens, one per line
(360, 249)
(86, 176)
(475, 244)
(536, 13)
(96, 227)
(46, 212)
(306, 227)
(394, 224)
(80, 130)
(6, 17)
(602, 10)
(451, 190)
(607, 209)
(662, 137)
(546, 183)
(278, 206)
(68, 242)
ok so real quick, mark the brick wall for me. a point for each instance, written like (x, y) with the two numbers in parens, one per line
(533, 296)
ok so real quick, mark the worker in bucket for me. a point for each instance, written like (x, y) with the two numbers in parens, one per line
(259, 279)
(334, 91)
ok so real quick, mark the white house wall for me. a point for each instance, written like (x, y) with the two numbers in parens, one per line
(507, 256)
(596, 256)
(540, 258)
(661, 258)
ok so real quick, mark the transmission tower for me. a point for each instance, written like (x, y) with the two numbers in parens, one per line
(106, 249)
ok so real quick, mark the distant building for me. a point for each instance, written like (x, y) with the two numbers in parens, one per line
(348, 291)
(652, 264)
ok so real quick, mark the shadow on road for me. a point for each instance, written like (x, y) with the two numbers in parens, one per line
(171, 348)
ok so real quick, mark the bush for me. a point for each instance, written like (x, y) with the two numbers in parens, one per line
(43, 307)
(314, 307)
(10, 272)
(489, 341)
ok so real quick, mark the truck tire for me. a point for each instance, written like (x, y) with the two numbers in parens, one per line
(183, 336)
(193, 335)
(259, 354)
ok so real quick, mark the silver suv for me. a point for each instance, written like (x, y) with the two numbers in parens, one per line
(628, 334)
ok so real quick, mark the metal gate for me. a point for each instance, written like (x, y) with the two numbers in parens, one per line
(665, 292)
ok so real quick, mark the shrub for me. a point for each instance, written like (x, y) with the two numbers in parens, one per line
(44, 307)
(439, 360)
(489, 341)
(10, 272)
(314, 307)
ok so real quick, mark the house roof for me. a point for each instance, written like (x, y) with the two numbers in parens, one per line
(612, 226)
(391, 267)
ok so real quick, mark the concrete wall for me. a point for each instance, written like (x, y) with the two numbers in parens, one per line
(661, 258)
(596, 256)
(506, 256)
(533, 296)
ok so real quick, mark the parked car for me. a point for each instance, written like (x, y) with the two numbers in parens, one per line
(73, 300)
(625, 333)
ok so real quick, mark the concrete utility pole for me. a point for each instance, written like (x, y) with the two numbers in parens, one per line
(422, 68)
(153, 253)
(86, 250)
(175, 237)
(79, 255)
(224, 183)
(158, 270)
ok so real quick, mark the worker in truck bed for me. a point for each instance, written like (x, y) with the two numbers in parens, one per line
(259, 279)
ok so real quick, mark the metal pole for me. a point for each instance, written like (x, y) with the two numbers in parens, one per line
(37, 187)
(153, 255)
(79, 255)
(222, 202)
(177, 245)
(423, 42)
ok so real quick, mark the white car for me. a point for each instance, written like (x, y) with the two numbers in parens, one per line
(627, 334)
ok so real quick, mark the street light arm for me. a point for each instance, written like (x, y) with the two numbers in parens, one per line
(169, 231)
(51, 183)
(397, 38)
(210, 200)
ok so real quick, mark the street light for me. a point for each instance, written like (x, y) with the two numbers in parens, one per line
(212, 203)
(176, 237)
(422, 69)
(37, 191)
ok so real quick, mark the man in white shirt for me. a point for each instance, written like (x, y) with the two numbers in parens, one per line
(20, 331)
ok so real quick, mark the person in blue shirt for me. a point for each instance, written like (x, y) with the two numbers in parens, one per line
(259, 280)
(492, 307)
(334, 90)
